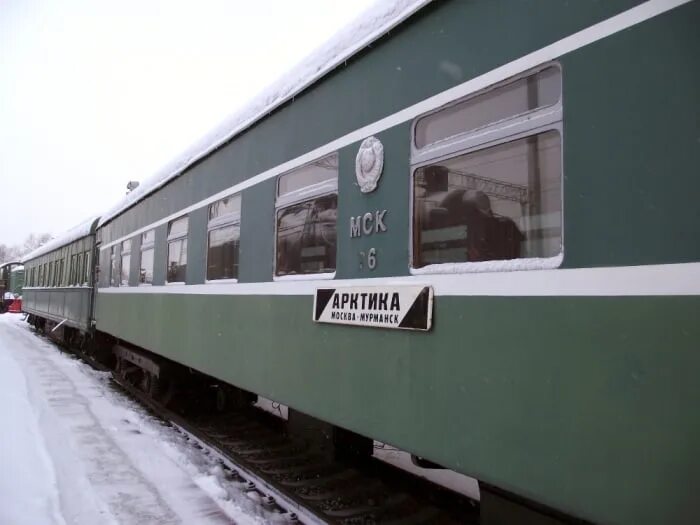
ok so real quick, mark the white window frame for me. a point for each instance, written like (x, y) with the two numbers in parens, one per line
(312, 191)
(122, 253)
(112, 268)
(71, 271)
(150, 245)
(86, 272)
(537, 121)
(172, 238)
(229, 219)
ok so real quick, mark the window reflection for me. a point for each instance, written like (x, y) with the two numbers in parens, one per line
(146, 271)
(177, 250)
(114, 267)
(125, 263)
(146, 268)
(177, 260)
(306, 237)
(498, 203)
(223, 243)
(222, 256)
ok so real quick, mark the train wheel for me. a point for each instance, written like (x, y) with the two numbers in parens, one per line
(222, 401)
(120, 368)
(151, 384)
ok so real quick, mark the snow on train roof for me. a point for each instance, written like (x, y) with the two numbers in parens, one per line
(383, 16)
(78, 232)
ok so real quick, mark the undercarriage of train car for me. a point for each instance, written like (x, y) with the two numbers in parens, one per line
(309, 444)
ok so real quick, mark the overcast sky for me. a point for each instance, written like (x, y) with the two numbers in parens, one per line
(96, 93)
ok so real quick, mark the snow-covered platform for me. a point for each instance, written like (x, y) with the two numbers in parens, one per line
(75, 451)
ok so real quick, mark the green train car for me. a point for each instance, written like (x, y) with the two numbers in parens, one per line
(11, 278)
(59, 278)
(465, 228)
(17, 280)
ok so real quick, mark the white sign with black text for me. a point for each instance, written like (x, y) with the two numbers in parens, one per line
(406, 307)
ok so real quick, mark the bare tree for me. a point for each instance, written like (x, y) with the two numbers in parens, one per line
(4, 253)
(32, 242)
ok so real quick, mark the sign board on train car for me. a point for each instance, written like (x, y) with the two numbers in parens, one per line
(408, 307)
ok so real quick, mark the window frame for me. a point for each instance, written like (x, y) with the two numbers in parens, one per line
(145, 246)
(113, 268)
(520, 126)
(123, 253)
(78, 264)
(298, 196)
(172, 238)
(71, 270)
(229, 219)
(86, 269)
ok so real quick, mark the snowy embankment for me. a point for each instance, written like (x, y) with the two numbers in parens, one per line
(74, 451)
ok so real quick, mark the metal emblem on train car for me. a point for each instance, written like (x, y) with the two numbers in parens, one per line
(369, 164)
(408, 307)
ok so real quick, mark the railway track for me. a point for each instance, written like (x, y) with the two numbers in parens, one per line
(295, 484)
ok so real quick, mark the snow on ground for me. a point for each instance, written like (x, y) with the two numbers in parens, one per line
(75, 451)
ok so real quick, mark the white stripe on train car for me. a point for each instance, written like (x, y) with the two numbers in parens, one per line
(649, 280)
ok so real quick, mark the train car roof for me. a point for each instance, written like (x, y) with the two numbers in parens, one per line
(78, 232)
(383, 16)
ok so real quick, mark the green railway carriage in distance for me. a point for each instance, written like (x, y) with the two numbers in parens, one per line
(468, 229)
(58, 281)
(11, 279)
(17, 280)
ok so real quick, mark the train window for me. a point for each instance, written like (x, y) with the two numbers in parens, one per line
(495, 194)
(146, 268)
(177, 250)
(59, 277)
(306, 208)
(78, 260)
(223, 242)
(113, 267)
(86, 268)
(516, 97)
(72, 270)
(125, 263)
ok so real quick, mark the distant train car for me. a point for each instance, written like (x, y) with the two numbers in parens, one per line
(10, 284)
(467, 229)
(58, 280)
(17, 280)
